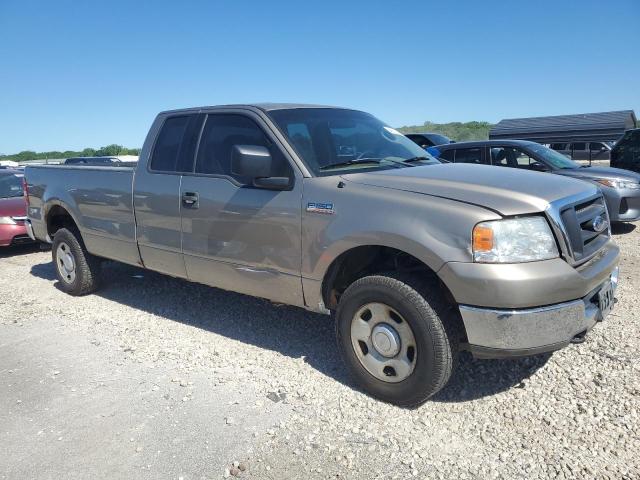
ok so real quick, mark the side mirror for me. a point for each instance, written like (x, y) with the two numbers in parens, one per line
(250, 161)
(254, 161)
(539, 167)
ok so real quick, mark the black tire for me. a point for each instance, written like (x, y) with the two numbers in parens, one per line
(420, 303)
(86, 266)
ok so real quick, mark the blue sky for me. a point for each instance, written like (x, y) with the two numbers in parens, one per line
(77, 74)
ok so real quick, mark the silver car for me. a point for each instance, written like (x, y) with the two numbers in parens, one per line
(621, 188)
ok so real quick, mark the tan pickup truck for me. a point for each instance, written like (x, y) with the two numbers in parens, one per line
(331, 210)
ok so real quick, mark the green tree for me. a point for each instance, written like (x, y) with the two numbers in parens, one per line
(457, 131)
(111, 150)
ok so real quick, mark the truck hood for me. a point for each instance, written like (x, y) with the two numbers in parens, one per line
(504, 190)
(589, 173)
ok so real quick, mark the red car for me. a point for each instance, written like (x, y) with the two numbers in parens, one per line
(13, 209)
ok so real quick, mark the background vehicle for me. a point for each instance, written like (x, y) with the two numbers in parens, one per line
(584, 150)
(626, 151)
(428, 139)
(92, 161)
(13, 209)
(331, 210)
(621, 188)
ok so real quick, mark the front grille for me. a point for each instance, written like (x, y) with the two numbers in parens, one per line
(587, 227)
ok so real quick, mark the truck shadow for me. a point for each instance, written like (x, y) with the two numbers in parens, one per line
(15, 250)
(622, 228)
(475, 379)
(291, 331)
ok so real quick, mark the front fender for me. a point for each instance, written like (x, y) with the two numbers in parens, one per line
(432, 229)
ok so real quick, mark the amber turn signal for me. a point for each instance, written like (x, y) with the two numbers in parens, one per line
(482, 238)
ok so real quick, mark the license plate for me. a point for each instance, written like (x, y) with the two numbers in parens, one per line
(605, 299)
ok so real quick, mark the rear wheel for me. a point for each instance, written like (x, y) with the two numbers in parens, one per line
(77, 270)
(392, 337)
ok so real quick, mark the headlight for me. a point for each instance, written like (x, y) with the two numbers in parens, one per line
(7, 221)
(513, 240)
(608, 182)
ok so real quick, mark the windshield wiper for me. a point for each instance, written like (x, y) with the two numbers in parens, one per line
(356, 161)
(415, 159)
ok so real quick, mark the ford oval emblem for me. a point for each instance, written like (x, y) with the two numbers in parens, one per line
(598, 224)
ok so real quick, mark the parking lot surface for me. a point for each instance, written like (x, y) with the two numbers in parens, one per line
(154, 377)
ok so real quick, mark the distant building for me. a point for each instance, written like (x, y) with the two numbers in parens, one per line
(8, 163)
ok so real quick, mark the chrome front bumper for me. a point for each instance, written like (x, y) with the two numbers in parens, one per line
(495, 333)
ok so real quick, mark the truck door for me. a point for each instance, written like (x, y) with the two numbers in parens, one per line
(157, 191)
(236, 236)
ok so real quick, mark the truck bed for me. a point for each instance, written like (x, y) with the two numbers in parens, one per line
(99, 197)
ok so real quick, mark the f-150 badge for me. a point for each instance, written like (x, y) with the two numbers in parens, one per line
(320, 208)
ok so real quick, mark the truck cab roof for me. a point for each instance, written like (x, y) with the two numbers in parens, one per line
(265, 107)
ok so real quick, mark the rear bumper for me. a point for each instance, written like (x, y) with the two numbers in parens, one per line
(13, 234)
(502, 333)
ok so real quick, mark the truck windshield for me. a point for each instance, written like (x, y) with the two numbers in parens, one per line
(553, 158)
(438, 139)
(333, 141)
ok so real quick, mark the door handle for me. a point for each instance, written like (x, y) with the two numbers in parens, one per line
(190, 199)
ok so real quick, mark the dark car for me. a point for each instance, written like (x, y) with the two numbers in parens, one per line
(13, 209)
(626, 152)
(583, 150)
(428, 139)
(621, 188)
(96, 161)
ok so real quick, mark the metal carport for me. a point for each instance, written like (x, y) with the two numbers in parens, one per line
(603, 127)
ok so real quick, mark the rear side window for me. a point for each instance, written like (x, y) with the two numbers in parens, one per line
(221, 132)
(447, 155)
(176, 144)
(469, 155)
(10, 186)
(558, 146)
(579, 146)
(165, 152)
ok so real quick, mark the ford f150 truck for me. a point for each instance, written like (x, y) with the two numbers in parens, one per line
(331, 210)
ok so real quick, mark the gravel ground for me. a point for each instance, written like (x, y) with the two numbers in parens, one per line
(154, 377)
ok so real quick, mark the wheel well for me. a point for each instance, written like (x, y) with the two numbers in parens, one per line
(369, 260)
(374, 259)
(58, 218)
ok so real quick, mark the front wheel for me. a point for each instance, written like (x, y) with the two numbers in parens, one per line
(393, 339)
(77, 270)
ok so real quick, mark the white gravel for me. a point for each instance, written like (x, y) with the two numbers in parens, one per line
(573, 414)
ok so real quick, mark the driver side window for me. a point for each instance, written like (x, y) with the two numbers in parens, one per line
(512, 157)
(221, 133)
(523, 160)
